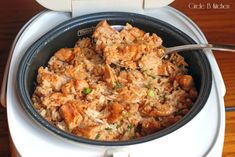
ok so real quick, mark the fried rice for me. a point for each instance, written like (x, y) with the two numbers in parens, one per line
(114, 86)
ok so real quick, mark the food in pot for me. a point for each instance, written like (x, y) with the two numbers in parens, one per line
(114, 86)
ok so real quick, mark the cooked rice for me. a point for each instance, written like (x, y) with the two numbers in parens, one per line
(114, 86)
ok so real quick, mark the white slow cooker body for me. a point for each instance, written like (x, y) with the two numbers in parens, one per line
(202, 136)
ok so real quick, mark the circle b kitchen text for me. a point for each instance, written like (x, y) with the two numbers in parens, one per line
(201, 6)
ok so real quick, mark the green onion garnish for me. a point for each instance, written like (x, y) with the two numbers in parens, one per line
(86, 90)
(118, 126)
(117, 86)
(130, 126)
(108, 128)
(97, 136)
(150, 93)
(153, 77)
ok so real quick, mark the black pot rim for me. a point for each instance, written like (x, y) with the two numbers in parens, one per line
(25, 99)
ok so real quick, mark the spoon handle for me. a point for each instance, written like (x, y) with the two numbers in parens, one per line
(219, 47)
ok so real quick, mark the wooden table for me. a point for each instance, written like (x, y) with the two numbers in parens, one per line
(217, 24)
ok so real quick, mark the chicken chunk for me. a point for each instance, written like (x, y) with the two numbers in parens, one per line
(148, 126)
(153, 65)
(48, 79)
(109, 76)
(70, 113)
(104, 36)
(186, 81)
(90, 132)
(115, 112)
(130, 33)
(158, 110)
(84, 43)
(65, 54)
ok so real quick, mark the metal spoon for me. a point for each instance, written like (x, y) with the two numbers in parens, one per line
(219, 47)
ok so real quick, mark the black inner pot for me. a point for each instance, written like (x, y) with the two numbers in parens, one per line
(67, 33)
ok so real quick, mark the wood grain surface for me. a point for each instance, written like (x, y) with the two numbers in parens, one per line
(216, 18)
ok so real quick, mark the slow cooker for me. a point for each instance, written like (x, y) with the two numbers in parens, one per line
(199, 135)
